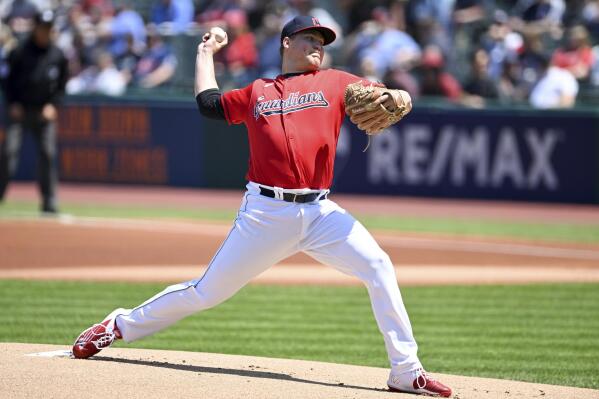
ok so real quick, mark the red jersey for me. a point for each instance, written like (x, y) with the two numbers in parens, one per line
(573, 59)
(293, 124)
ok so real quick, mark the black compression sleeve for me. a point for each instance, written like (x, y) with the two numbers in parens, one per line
(209, 104)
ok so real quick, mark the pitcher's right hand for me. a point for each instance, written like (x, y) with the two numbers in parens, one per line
(214, 40)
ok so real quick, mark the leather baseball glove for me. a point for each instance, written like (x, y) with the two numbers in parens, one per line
(366, 106)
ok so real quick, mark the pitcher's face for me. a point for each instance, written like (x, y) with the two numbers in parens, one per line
(304, 50)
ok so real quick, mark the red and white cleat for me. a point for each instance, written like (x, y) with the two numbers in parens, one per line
(96, 338)
(417, 381)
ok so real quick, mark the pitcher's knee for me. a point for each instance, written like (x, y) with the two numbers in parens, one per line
(382, 262)
(378, 266)
(207, 298)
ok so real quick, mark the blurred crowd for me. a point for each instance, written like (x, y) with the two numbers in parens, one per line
(470, 52)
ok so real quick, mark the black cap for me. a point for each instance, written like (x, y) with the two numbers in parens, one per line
(45, 17)
(306, 22)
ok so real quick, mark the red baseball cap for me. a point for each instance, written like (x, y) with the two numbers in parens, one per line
(303, 23)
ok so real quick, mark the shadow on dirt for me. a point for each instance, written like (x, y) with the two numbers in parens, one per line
(239, 372)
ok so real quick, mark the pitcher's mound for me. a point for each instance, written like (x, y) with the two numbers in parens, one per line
(48, 372)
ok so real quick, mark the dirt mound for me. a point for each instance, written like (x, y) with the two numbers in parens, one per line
(135, 373)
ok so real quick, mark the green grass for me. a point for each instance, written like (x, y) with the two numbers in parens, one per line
(539, 333)
(563, 232)
(16, 209)
(575, 233)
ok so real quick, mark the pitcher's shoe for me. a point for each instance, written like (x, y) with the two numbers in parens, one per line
(417, 381)
(97, 337)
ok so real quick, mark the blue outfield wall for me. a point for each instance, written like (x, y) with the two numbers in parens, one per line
(508, 154)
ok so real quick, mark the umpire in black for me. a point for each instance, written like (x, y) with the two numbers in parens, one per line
(37, 74)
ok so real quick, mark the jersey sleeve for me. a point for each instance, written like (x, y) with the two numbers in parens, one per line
(346, 78)
(235, 104)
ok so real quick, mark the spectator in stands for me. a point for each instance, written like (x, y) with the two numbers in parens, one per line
(432, 22)
(358, 12)
(175, 15)
(127, 22)
(434, 79)
(468, 12)
(400, 76)
(377, 50)
(79, 38)
(590, 18)
(480, 86)
(357, 42)
(538, 17)
(532, 60)
(103, 6)
(509, 87)
(101, 78)
(157, 65)
(398, 13)
(20, 18)
(556, 88)
(109, 81)
(572, 12)
(241, 54)
(576, 55)
(127, 62)
(211, 11)
(383, 38)
(269, 39)
(469, 24)
(501, 42)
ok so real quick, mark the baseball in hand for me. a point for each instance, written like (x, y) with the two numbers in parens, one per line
(219, 34)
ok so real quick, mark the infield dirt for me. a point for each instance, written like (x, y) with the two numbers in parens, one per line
(135, 373)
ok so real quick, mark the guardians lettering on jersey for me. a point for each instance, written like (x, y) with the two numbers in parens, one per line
(295, 102)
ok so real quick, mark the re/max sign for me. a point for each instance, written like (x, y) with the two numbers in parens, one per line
(459, 156)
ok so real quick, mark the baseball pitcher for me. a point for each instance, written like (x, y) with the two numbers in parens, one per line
(293, 124)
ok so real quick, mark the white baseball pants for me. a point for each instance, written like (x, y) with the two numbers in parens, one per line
(267, 231)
